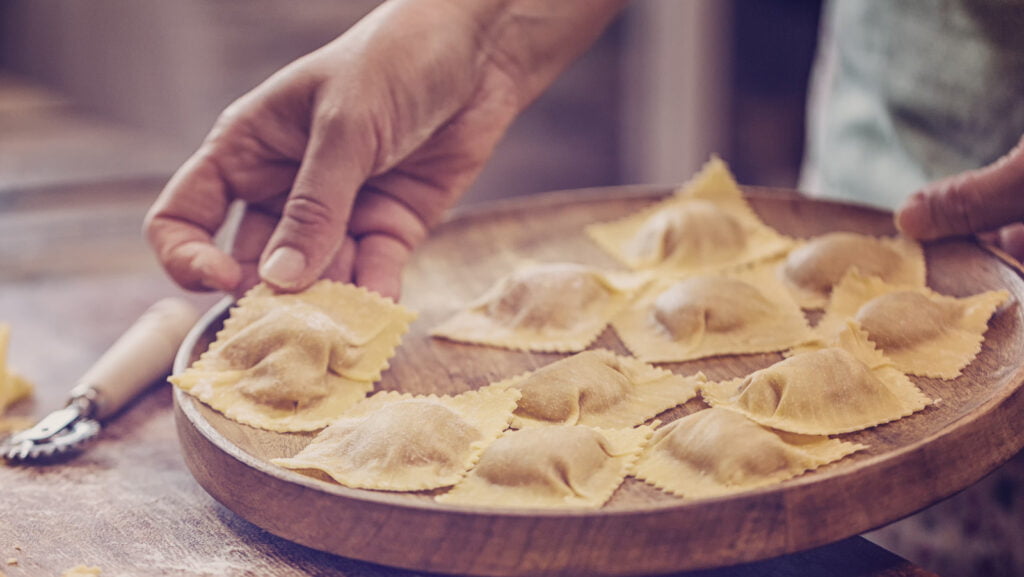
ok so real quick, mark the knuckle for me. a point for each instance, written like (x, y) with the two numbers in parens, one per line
(308, 211)
(226, 123)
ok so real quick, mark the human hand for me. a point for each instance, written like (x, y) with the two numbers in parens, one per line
(348, 156)
(988, 202)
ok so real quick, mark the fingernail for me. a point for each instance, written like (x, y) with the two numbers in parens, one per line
(284, 268)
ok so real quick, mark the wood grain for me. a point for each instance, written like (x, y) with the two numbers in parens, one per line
(910, 464)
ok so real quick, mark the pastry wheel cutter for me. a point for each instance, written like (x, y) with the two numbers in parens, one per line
(141, 355)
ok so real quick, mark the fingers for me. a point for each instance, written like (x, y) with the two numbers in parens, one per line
(255, 228)
(314, 220)
(378, 264)
(968, 203)
(181, 224)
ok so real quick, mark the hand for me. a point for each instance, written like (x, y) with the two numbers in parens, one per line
(988, 202)
(348, 156)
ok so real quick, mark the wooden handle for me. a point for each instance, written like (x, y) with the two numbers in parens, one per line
(140, 356)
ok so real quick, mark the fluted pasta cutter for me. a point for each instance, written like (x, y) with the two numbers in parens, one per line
(140, 356)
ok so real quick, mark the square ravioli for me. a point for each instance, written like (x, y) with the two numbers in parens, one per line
(719, 452)
(811, 269)
(597, 388)
(705, 226)
(842, 387)
(550, 307)
(400, 442)
(923, 332)
(295, 361)
(553, 467)
(743, 312)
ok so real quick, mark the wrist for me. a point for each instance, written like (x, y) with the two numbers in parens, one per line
(531, 42)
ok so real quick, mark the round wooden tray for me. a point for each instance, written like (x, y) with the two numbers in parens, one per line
(910, 464)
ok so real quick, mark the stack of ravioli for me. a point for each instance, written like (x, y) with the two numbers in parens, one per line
(702, 277)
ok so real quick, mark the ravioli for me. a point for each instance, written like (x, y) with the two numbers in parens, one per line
(701, 316)
(294, 362)
(719, 452)
(561, 466)
(401, 442)
(923, 332)
(812, 269)
(553, 307)
(706, 225)
(598, 388)
(13, 387)
(823, 390)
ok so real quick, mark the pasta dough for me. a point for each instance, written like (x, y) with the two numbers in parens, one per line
(294, 362)
(923, 332)
(398, 442)
(706, 225)
(13, 387)
(551, 467)
(599, 389)
(718, 452)
(556, 307)
(812, 269)
(823, 391)
(747, 311)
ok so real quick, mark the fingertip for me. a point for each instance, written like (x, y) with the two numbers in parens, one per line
(216, 270)
(200, 266)
(379, 263)
(907, 218)
(286, 269)
(913, 218)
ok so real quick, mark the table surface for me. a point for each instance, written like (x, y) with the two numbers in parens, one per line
(74, 273)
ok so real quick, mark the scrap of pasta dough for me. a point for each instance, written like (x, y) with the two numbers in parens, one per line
(600, 389)
(923, 332)
(823, 390)
(562, 466)
(294, 362)
(82, 571)
(13, 387)
(400, 442)
(706, 225)
(552, 307)
(813, 268)
(743, 312)
(719, 452)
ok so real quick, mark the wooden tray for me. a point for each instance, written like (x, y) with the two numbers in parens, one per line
(911, 463)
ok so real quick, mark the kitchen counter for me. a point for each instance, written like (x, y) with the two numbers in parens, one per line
(74, 273)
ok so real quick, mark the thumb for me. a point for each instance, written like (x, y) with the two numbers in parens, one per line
(967, 203)
(314, 219)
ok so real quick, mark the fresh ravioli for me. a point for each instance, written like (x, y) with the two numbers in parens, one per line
(823, 390)
(813, 268)
(562, 466)
(705, 226)
(600, 389)
(294, 362)
(744, 312)
(719, 452)
(553, 307)
(924, 333)
(401, 442)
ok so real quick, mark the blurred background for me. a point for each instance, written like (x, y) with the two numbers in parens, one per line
(111, 90)
(101, 101)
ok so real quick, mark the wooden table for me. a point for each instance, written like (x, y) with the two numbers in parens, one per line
(73, 275)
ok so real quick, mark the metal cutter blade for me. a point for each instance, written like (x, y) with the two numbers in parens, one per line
(58, 432)
(135, 361)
